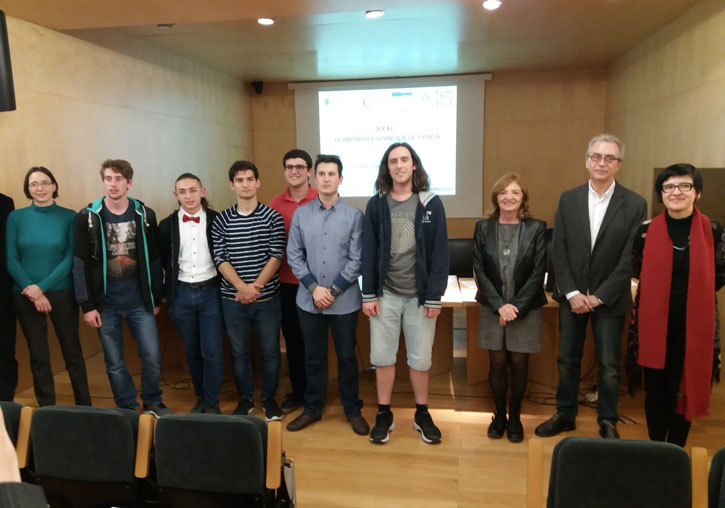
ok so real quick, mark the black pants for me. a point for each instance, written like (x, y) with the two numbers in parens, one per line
(293, 340)
(344, 334)
(64, 315)
(663, 386)
(8, 364)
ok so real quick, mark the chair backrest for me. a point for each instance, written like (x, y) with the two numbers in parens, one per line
(84, 443)
(11, 414)
(215, 454)
(594, 473)
(716, 480)
(460, 257)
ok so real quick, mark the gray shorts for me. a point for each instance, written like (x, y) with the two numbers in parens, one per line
(419, 332)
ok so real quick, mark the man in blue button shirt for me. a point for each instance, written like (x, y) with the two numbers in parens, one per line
(324, 251)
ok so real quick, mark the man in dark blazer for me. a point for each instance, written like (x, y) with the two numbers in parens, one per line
(8, 364)
(593, 232)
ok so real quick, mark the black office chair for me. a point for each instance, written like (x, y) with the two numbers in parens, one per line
(11, 413)
(716, 480)
(217, 461)
(460, 257)
(594, 473)
(89, 456)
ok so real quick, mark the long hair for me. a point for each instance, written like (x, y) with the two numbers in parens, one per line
(501, 184)
(204, 203)
(384, 182)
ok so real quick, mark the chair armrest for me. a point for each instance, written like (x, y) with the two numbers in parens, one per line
(698, 460)
(146, 423)
(535, 475)
(23, 442)
(274, 455)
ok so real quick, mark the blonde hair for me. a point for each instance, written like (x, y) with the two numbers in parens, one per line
(500, 185)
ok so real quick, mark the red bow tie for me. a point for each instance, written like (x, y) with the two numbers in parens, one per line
(187, 218)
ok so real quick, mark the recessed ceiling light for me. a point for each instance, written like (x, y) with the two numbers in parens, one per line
(265, 21)
(491, 5)
(373, 14)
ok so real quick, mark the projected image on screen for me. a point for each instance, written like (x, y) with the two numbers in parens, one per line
(359, 125)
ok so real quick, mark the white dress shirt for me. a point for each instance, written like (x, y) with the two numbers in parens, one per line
(597, 209)
(195, 261)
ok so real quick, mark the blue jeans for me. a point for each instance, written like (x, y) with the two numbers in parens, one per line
(197, 315)
(607, 331)
(265, 318)
(142, 323)
(314, 331)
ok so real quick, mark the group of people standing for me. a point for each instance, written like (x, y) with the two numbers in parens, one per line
(600, 241)
(296, 264)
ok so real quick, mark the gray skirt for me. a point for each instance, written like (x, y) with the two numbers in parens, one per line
(519, 336)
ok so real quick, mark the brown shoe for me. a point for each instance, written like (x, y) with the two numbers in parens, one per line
(302, 421)
(359, 425)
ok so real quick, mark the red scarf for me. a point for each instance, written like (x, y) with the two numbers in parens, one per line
(655, 280)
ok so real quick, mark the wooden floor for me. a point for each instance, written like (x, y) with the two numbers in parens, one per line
(337, 468)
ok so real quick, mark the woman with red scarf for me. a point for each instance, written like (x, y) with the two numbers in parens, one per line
(679, 258)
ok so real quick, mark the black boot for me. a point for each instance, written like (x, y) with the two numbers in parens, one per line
(514, 429)
(498, 422)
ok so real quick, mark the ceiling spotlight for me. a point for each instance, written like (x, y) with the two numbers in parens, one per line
(164, 26)
(374, 14)
(491, 5)
(265, 21)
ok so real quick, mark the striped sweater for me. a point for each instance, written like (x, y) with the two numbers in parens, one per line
(248, 242)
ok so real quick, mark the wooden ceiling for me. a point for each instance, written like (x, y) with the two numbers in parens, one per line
(331, 39)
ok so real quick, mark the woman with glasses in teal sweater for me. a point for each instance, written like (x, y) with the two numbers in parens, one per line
(40, 260)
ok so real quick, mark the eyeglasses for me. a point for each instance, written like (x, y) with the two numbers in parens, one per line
(44, 183)
(597, 157)
(295, 167)
(682, 186)
(191, 192)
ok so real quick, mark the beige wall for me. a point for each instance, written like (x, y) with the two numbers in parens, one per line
(666, 97)
(80, 103)
(274, 134)
(536, 124)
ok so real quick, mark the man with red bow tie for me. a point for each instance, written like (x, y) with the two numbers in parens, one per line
(191, 288)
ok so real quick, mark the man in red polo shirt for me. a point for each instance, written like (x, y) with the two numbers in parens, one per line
(297, 166)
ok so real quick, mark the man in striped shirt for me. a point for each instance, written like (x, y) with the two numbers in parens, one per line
(249, 242)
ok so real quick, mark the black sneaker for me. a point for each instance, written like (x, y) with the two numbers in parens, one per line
(272, 411)
(423, 423)
(212, 409)
(158, 410)
(245, 407)
(384, 424)
(198, 407)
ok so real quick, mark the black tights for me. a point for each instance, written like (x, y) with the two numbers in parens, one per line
(498, 378)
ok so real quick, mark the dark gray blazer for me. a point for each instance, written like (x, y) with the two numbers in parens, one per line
(606, 270)
(528, 273)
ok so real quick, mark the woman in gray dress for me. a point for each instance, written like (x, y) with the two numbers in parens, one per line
(509, 262)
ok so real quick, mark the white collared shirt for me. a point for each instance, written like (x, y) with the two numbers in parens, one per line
(195, 262)
(597, 209)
